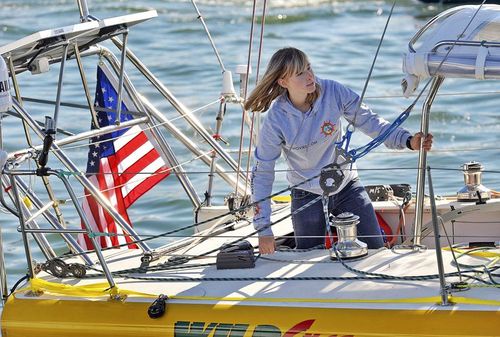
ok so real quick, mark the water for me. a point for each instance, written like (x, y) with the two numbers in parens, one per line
(339, 36)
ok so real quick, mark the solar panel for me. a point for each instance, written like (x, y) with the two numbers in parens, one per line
(50, 43)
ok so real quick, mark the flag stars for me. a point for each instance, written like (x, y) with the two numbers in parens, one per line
(103, 156)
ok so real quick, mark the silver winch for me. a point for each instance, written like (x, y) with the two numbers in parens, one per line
(473, 189)
(348, 246)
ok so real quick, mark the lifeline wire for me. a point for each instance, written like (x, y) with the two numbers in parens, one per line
(240, 209)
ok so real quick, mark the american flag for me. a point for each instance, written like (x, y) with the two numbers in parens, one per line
(123, 165)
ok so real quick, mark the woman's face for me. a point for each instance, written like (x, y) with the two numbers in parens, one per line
(301, 83)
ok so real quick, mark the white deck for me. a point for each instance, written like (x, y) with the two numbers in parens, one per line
(302, 279)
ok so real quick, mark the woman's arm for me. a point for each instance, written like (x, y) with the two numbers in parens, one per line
(368, 121)
(268, 150)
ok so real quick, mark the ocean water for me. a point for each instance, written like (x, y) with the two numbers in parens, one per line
(340, 38)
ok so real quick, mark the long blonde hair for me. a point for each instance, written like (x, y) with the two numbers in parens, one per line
(284, 63)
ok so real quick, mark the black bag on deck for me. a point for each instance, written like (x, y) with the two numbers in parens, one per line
(236, 256)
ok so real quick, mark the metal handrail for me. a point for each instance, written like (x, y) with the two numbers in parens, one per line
(195, 124)
(84, 181)
(466, 43)
(422, 160)
(427, 25)
(25, 230)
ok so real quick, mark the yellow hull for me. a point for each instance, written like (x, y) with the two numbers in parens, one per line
(101, 317)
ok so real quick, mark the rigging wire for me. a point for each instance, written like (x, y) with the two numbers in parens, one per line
(254, 115)
(405, 114)
(244, 112)
(276, 171)
(365, 85)
(360, 102)
(212, 43)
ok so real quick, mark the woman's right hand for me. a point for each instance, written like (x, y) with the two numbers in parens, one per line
(267, 245)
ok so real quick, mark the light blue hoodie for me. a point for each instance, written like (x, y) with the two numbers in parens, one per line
(307, 141)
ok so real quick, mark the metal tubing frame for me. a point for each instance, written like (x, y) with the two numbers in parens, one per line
(70, 241)
(153, 112)
(165, 149)
(78, 59)
(187, 142)
(183, 110)
(40, 239)
(84, 10)
(428, 25)
(55, 231)
(60, 85)
(79, 210)
(86, 135)
(4, 289)
(46, 182)
(120, 78)
(2, 198)
(439, 256)
(84, 181)
(82, 215)
(218, 126)
(175, 165)
(29, 261)
(422, 160)
(466, 43)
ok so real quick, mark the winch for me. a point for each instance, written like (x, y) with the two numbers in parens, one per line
(348, 246)
(473, 189)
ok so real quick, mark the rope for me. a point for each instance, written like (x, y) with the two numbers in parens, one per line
(368, 277)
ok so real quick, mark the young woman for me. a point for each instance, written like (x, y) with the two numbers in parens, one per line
(304, 122)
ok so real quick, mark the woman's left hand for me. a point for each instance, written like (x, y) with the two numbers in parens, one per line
(417, 138)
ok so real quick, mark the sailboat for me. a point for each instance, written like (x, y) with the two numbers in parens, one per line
(454, 2)
(438, 275)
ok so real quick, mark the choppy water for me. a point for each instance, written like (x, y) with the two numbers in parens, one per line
(340, 38)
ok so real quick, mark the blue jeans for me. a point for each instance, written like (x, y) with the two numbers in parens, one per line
(309, 224)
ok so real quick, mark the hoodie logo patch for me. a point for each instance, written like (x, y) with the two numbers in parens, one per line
(328, 128)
